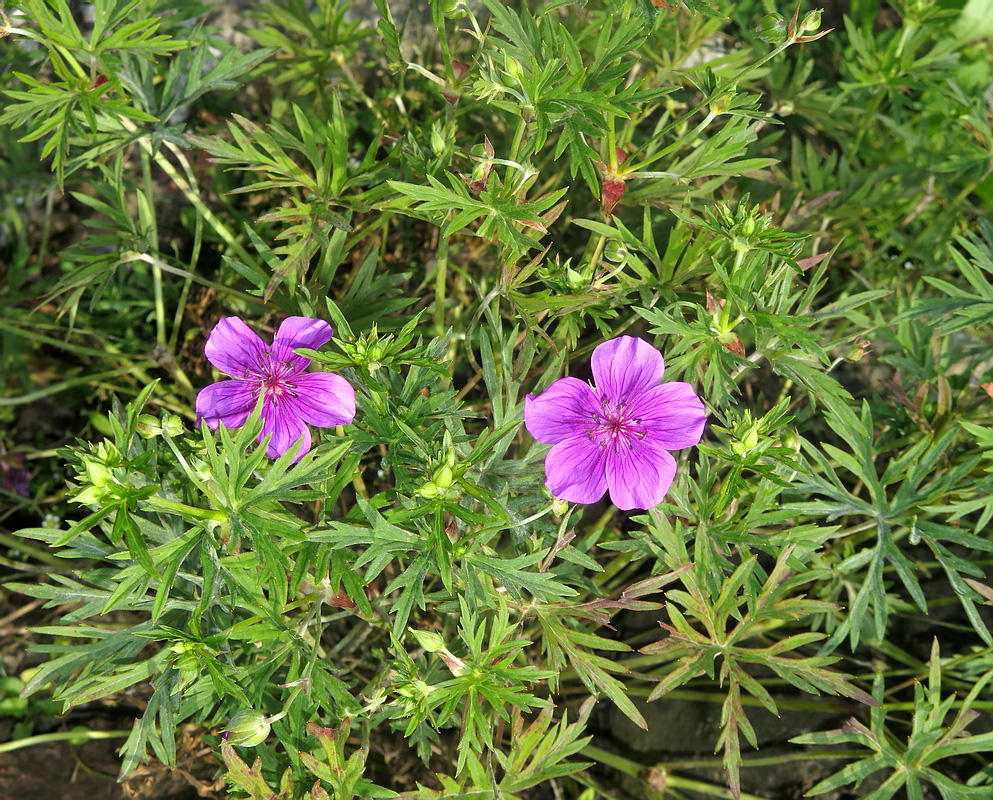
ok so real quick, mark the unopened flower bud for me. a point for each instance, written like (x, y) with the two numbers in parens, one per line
(148, 427)
(772, 29)
(791, 440)
(559, 506)
(172, 426)
(443, 476)
(247, 728)
(751, 438)
(481, 171)
(429, 640)
(574, 278)
(721, 105)
(858, 349)
(615, 252)
(454, 9)
(97, 473)
(430, 491)
(90, 495)
(513, 69)
(812, 22)
(746, 442)
(437, 141)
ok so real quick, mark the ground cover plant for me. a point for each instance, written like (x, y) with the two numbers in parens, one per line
(423, 402)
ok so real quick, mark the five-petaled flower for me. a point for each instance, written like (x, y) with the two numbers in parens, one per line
(617, 434)
(291, 398)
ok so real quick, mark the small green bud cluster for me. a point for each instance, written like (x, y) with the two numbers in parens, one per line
(442, 482)
(169, 425)
(98, 473)
(186, 662)
(369, 351)
(774, 29)
(747, 436)
(749, 228)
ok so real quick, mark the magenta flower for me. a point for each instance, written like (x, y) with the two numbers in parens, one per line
(292, 398)
(617, 434)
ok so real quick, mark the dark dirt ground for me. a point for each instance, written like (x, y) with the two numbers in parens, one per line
(62, 771)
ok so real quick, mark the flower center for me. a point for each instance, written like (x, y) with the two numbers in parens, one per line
(276, 380)
(614, 426)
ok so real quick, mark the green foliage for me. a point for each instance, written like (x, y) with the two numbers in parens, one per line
(930, 740)
(475, 197)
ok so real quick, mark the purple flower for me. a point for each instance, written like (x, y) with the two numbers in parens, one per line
(617, 434)
(292, 398)
(16, 475)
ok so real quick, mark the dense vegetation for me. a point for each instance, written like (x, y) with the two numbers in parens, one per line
(792, 209)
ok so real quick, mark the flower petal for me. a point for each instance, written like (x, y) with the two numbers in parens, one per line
(575, 470)
(639, 477)
(672, 415)
(322, 398)
(229, 402)
(297, 332)
(626, 366)
(235, 349)
(286, 428)
(565, 409)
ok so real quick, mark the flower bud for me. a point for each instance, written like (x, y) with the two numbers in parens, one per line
(437, 141)
(559, 506)
(575, 279)
(429, 640)
(858, 349)
(721, 105)
(513, 69)
(90, 495)
(791, 440)
(97, 473)
(772, 29)
(443, 477)
(454, 9)
(148, 427)
(430, 491)
(172, 426)
(751, 438)
(247, 728)
(615, 252)
(812, 22)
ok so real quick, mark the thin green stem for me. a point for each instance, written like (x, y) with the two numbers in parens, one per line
(42, 555)
(634, 769)
(440, 284)
(611, 145)
(73, 737)
(184, 186)
(162, 504)
(55, 388)
(153, 236)
(515, 145)
(739, 257)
